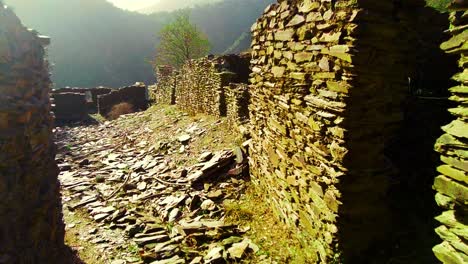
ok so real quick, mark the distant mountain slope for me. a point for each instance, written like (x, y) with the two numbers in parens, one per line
(241, 44)
(172, 5)
(95, 43)
(225, 22)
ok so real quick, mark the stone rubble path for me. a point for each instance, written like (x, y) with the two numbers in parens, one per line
(137, 195)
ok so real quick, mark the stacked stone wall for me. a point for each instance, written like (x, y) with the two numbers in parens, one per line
(203, 85)
(91, 94)
(164, 91)
(329, 82)
(200, 87)
(70, 106)
(452, 184)
(237, 102)
(31, 227)
(136, 95)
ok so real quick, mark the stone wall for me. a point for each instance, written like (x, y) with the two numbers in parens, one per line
(74, 104)
(201, 85)
(136, 95)
(328, 85)
(164, 91)
(69, 106)
(237, 102)
(452, 184)
(31, 227)
(91, 94)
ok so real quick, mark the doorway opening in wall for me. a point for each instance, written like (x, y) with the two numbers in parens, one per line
(412, 150)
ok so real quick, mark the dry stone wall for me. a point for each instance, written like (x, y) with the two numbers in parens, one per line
(200, 87)
(69, 106)
(237, 102)
(136, 95)
(74, 104)
(31, 227)
(206, 85)
(91, 94)
(452, 184)
(328, 84)
(165, 89)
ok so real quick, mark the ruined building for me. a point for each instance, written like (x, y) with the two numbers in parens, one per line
(31, 227)
(214, 85)
(75, 104)
(332, 146)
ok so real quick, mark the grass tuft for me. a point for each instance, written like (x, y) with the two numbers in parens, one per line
(274, 238)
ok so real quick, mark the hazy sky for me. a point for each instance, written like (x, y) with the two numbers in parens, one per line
(133, 4)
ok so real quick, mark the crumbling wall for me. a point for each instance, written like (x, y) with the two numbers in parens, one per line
(237, 102)
(31, 227)
(200, 85)
(452, 184)
(91, 95)
(136, 95)
(165, 90)
(328, 85)
(69, 106)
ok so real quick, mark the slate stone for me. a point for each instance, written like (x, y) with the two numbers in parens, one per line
(151, 239)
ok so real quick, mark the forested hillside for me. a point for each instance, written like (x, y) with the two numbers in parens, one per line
(226, 21)
(171, 5)
(95, 43)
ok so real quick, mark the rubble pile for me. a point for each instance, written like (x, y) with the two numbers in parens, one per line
(31, 227)
(173, 213)
(452, 184)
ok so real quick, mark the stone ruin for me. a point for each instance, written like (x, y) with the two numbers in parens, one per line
(332, 87)
(69, 106)
(136, 95)
(214, 85)
(328, 85)
(31, 227)
(164, 92)
(237, 102)
(75, 104)
(90, 95)
(452, 184)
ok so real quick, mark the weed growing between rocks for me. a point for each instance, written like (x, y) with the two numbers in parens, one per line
(157, 178)
(277, 243)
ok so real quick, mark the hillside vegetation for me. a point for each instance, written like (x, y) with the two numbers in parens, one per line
(95, 43)
(171, 5)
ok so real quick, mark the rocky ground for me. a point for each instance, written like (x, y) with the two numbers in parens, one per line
(150, 187)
